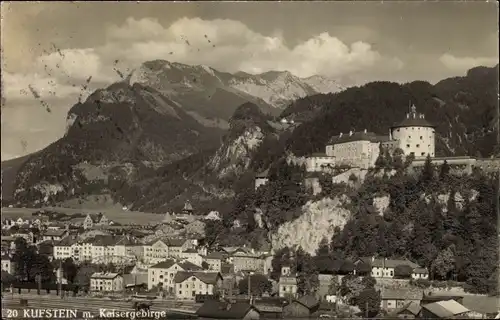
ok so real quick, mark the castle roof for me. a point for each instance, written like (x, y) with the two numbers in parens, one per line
(358, 136)
(413, 120)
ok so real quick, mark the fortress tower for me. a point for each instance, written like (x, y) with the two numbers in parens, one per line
(415, 134)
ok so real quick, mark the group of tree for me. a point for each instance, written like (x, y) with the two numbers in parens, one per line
(445, 223)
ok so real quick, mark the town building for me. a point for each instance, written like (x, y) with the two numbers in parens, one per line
(214, 261)
(393, 299)
(54, 235)
(92, 220)
(247, 261)
(106, 282)
(155, 251)
(189, 284)
(162, 274)
(287, 283)
(212, 309)
(385, 268)
(192, 256)
(446, 309)
(303, 307)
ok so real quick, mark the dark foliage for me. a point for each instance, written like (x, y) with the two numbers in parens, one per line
(464, 104)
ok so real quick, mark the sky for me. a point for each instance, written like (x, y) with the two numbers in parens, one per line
(51, 49)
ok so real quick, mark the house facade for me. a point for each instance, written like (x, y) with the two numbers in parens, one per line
(190, 284)
(163, 273)
(287, 283)
(106, 282)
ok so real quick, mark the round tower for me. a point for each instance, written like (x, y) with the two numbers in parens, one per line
(415, 134)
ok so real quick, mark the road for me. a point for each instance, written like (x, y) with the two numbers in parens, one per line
(82, 304)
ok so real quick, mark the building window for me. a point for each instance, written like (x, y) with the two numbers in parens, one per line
(423, 154)
(421, 138)
(418, 146)
(407, 145)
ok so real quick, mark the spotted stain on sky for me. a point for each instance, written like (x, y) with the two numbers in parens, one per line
(31, 90)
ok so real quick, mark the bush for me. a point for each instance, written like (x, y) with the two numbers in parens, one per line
(421, 283)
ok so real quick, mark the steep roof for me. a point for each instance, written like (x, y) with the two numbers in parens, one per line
(308, 301)
(413, 120)
(215, 255)
(54, 233)
(164, 264)
(205, 277)
(104, 275)
(224, 310)
(388, 263)
(412, 307)
(189, 266)
(175, 242)
(445, 309)
(358, 136)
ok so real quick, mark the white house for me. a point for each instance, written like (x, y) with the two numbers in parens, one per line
(106, 282)
(162, 274)
(155, 251)
(189, 284)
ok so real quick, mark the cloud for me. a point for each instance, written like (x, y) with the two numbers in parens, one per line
(231, 46)
(57, 77)
(462, 64)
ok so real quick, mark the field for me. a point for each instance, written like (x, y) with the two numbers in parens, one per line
(117, 215)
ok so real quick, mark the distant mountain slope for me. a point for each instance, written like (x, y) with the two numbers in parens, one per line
(462, 108)
(215, 94)
(9, 172)
(121, 127)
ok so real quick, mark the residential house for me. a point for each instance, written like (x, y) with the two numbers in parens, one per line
(188, 284)
(409, 310)
(54, 235)
(385, 268)
(213, 309)
(162, 274)
(301, 308)
(7, 264)
(103, 249)
(106, 282)
(214, 261)
(177, 245)
(447, 309)
(192, 255)
(155, 251)
(269, 310)
(92, 220)
(287, 283)
(244, 260)
(420, 273)
(188, 208)
(393, 299)
(324, 285)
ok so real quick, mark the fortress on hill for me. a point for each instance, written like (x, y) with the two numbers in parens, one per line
(413, 135)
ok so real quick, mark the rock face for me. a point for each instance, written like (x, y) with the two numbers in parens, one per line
(319, 220)
(214, 94)
(115, 132)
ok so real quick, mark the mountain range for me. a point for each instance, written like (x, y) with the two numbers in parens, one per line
(171, 132)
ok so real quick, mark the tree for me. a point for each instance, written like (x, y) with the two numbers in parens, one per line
(444, 265)
(258, 282)
(368, 302)
(213, 229)
(69, 269)
(427, 176)
(403, 271)
(398, 159)
(205, 265)
(350, 287)
(334, 286)
(381, 161)
(282, 257)
(307, 280)
(444, 171)
(83, 275)
(363, 269)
